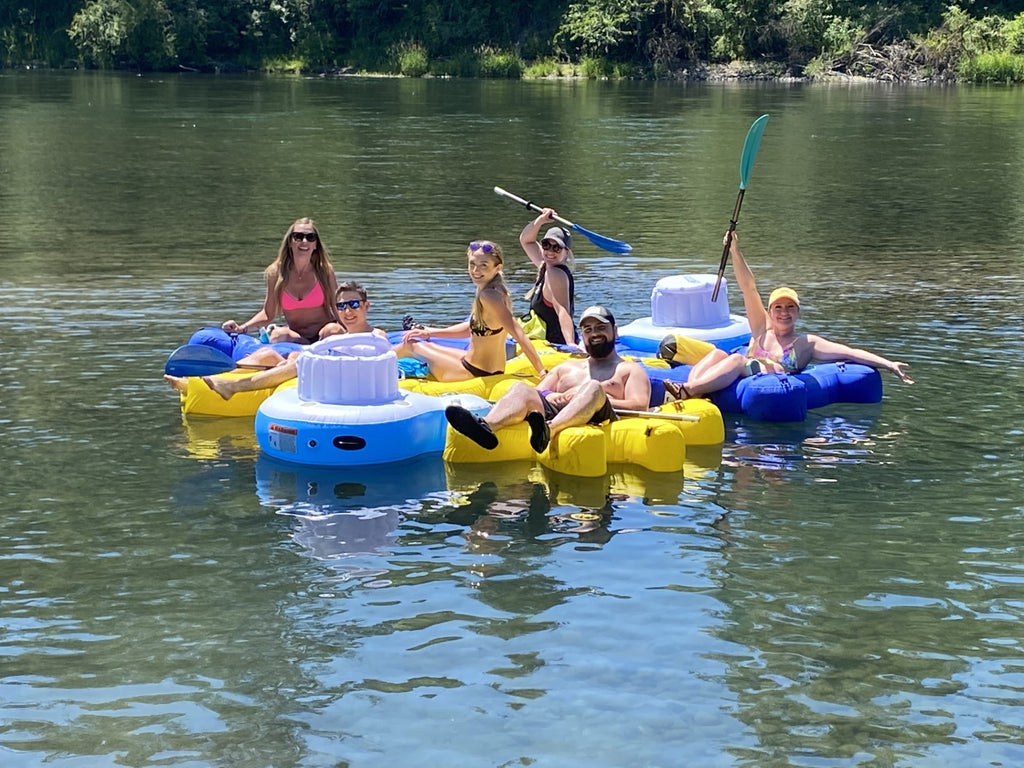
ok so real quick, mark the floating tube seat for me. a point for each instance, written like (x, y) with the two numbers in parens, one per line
(681, 304)
(656, 444)
(347, 410)
(787, 397)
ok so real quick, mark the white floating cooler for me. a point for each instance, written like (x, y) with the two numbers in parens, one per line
(681, 305)
(354, 369)
(348, 410)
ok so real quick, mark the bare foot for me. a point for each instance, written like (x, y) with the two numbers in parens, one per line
(221, 386)
(178, 383)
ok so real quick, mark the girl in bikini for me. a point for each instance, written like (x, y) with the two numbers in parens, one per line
(490, 323)
(300, 285)
(775, 346)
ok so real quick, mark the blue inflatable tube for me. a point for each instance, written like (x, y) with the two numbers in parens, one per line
(238, 345)
(781, 396)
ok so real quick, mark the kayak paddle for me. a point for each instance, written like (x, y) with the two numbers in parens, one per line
(605, 243)
(202, 360)
(746, 163)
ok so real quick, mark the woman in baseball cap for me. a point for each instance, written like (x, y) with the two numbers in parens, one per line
(551, 298)
(775, 345)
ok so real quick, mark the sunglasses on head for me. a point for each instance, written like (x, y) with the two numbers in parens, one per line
(551, 245)
(298, 237)
(485, 247)
(354, 304)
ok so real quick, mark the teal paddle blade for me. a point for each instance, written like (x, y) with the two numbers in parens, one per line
(750, 146)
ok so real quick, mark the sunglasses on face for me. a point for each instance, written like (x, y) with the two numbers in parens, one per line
(485, 247)
(354, 304)
(298, 237)
(551, 245)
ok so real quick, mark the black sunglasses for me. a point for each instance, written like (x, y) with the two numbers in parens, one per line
(354, 304)
(298, 237)
(551, 245)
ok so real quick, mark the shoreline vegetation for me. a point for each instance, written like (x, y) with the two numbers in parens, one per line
(799, 40)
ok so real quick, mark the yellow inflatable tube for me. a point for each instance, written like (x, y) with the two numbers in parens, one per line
(199, 400)
(657, 444)
(516, 369)
(701, 422)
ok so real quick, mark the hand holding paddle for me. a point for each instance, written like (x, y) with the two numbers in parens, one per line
(605, 243)
(750, 146)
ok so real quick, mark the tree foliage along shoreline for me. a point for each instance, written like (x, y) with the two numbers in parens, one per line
(922, 39)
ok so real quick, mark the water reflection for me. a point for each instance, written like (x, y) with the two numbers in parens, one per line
(342, 511)
(838, 435)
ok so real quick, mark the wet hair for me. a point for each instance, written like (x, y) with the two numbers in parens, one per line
(351, 286)
(320, 261)
(497, 282)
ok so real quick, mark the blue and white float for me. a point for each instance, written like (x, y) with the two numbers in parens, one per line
(681, 306)
(347, 408)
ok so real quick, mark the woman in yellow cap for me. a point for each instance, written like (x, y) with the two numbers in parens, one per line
(775, 346)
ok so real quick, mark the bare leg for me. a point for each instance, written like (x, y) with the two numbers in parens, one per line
(513, 406)
(262, 356)
(178, 383)
(717, 374)
(712, 358)
(445, 363)
(588, 401)
(228, 386)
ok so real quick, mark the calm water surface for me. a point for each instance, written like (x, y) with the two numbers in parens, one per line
(842, 592)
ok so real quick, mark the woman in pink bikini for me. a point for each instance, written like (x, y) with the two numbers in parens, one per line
(775, 346)
(300, 285)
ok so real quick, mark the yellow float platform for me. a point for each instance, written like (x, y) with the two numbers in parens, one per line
(657, 444)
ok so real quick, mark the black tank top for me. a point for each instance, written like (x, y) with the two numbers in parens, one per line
(546, 312)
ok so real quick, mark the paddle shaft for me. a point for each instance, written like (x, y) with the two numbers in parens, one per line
(728, 242)
(531, 206)
(659, 415)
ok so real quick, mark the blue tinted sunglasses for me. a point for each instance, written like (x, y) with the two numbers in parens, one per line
(485, 247)
(354, 304)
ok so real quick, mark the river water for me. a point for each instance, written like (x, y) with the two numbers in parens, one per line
(842, 592)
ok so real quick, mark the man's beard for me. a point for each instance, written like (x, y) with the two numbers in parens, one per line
(599, 347)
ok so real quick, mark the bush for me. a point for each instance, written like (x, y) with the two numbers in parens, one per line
(410, 59)
(500, 64)
(595, 67)
(542, 68)
(1000, 67)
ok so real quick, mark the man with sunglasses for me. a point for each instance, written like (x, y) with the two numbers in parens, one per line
(575, 392)
(352, 306)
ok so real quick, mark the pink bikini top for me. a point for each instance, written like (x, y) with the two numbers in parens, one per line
(315, 298)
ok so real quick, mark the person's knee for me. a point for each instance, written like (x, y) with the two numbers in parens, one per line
(592, 393)
(524, 395)
(737, 361)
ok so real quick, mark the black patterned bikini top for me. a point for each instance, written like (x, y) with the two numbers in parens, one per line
(478, 328)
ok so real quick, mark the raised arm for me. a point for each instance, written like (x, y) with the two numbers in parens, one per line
(830, 351)
(757, 316)
(528, 237)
